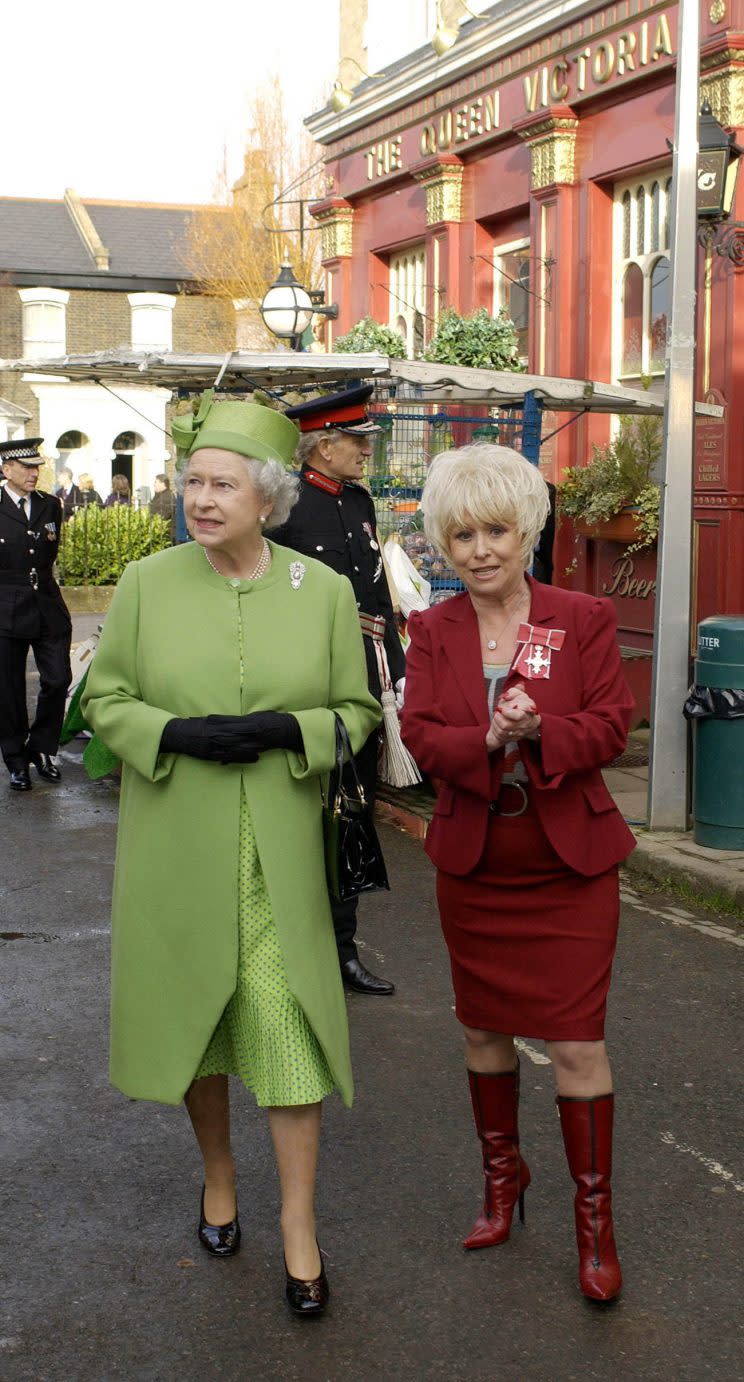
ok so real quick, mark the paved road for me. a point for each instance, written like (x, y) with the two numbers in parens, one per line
(102, 1277)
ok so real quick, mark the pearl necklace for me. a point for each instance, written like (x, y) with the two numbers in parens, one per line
(259, 570)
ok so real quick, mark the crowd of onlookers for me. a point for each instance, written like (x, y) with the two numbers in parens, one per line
(75, 496)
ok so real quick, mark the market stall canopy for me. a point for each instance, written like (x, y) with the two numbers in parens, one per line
(286, 370)
(503, 389)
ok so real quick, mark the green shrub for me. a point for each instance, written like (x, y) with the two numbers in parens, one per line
(369, 335)
(481, 341)
(96, 544)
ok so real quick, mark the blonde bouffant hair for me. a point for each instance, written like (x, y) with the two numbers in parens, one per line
(483, 483)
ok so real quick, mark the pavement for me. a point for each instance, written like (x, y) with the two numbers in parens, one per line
(102, 1277)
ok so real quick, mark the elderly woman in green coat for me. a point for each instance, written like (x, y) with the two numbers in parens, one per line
(219, 671)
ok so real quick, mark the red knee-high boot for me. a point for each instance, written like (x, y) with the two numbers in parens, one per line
(586, 1125)
(495, 1101)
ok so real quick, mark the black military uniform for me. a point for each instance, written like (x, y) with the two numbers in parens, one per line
(334, 521)
(32, 615)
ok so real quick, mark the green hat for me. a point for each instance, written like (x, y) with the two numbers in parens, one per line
(250, 429)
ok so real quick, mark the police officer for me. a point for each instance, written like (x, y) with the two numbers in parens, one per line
(334, 521)
(32, 615)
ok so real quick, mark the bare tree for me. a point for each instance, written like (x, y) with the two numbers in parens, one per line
(235, 246)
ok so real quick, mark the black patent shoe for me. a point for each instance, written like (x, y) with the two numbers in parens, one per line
(221, 1240)
(359, 979)
(46, 767)
(308, 1298)
(20, 780)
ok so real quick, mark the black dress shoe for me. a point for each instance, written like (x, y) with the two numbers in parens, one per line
(46, 767)
(356, 977)
(221, 1240)
(20, 780)
(307, 1298)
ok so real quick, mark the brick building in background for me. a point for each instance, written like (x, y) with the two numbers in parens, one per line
(82, 276)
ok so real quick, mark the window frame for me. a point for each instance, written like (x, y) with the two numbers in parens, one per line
(32, 299)
(502, 284)
(404, 311)
(637, 217)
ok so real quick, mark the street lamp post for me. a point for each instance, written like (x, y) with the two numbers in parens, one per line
(667, 782)
(287, 308)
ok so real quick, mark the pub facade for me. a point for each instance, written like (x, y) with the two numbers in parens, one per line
(529, 167)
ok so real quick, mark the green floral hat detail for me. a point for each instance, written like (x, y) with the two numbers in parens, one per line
(250, 429)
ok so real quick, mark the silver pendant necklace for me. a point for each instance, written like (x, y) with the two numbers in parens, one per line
(493, 643)
(259, 570)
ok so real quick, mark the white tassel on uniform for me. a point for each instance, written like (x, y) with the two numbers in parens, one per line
(396, 766)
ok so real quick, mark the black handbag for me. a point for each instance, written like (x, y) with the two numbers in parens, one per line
(353, 856)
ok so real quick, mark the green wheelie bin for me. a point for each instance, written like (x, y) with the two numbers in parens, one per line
(715, 707)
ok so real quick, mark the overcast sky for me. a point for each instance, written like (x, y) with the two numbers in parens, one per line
(138, 101)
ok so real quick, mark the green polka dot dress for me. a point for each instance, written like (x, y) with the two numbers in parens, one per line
(263, 1036)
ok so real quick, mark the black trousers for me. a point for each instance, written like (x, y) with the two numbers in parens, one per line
(52, 657)
(345, 913)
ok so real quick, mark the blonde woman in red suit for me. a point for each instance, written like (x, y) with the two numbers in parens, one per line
(514, 701)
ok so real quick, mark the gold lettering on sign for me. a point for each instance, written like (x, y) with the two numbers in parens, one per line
(625, 583)
(597, 64)
(384, 158)
(662, 39)
(459, 125)
(558, 83)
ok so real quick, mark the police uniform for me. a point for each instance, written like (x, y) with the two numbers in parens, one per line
(32, 615)
(334, 521)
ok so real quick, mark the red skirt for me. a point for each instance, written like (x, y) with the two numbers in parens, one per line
(531, 943)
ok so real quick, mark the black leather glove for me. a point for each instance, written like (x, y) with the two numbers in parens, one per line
(231, 738)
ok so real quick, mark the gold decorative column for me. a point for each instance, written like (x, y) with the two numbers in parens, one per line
(442, 182)
(551, 139)
(336, 219)
(722, 79)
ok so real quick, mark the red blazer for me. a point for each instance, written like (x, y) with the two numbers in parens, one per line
(585, 709)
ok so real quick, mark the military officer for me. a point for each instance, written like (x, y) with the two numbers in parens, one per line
(334, 521)
(32, 615)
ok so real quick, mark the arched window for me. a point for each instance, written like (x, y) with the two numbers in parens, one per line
(632, 320)
(407, 292)
(640, 220)
(641, 278)
(659, 312)
(626, 225)
(655, 217)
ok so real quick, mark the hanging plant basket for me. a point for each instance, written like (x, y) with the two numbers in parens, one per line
(622, 527)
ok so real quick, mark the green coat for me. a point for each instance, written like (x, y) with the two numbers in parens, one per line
(171, 646)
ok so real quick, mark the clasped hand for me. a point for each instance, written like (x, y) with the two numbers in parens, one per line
(515, 717)
(232, 738)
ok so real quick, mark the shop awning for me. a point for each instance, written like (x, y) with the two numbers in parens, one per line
(284, 370)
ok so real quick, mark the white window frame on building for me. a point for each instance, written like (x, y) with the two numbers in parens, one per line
(44, 322)
(641, 275)
(407, 285)
(152, 320)
(511, 267)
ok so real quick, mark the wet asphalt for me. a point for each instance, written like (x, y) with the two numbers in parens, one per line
(101, 1275)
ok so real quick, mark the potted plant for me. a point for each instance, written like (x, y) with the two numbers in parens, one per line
(370, 335)
(615, 496)
(480, 340)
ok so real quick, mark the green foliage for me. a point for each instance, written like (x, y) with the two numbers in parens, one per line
(481, 341)
(369, 335)
(96, 544)
(619, 475)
